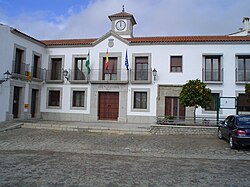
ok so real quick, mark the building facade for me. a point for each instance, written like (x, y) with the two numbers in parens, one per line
(119, 77)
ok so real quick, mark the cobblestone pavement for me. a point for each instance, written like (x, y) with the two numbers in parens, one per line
(30, 157)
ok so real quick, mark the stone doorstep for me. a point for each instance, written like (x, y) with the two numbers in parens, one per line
(86, 129)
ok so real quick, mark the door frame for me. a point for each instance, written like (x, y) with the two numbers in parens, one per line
(16, 102)
(38, 101)
(108, 103)
(176, 107)
(33, 103)
(9, 114)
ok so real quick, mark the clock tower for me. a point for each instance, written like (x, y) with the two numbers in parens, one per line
(122, 23)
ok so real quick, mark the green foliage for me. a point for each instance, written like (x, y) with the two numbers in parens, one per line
(247, 91)
(194, 93)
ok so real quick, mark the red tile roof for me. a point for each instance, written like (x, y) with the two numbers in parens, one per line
(160, 39)
(122, 15)
(68, 42)
(177, 39)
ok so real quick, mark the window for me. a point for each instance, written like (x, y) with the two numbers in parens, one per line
(141, 72)
(36, 70)
(19, 61)
(141, 68)
(78, 98)
(140, 100)
(35, 65)
(79, 69)
(54, 98)
(176, 64)
(212, 68)
(56, 68)
(213, 104)
(243, 68)
(111, 73)
(243, 103)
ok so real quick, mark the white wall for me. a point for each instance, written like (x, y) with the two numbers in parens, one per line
(8, 40)
(192, 69)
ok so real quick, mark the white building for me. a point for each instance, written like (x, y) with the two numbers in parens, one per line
(50, 80)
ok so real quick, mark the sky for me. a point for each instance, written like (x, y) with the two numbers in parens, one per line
(62, 19)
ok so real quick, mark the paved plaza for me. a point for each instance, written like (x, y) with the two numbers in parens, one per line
(36, 157)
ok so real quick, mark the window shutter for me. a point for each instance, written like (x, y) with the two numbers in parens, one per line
(176, 61)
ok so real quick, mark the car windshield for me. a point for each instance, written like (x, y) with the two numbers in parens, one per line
(243, 120)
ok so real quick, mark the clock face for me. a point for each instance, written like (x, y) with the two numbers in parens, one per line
(120, 25)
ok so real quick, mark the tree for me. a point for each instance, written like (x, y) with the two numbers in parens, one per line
(194, 94)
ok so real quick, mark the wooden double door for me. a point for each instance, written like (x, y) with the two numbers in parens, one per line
(108, 106)
(173, 107)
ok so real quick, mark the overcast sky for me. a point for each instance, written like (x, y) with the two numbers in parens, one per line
(54, 19)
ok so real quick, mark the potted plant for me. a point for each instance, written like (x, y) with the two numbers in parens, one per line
(171, 118)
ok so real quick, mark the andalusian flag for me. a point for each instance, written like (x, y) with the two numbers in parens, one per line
(87, 63)
(107, 61)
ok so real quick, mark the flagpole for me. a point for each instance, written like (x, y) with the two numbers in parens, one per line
(107, 61)
(87, 63)
(127, 64)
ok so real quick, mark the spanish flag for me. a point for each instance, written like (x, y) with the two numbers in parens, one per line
(107, 61)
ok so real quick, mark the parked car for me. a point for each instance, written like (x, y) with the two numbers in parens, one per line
(236, 130)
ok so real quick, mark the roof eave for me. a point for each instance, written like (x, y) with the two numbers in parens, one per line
(25, 36)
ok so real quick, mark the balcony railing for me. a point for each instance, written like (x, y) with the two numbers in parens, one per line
(122, 76)
(117, 75)
(19, 69)
(242, 75)
(37, 73)
(54, 75)
(212, 76)
(141, 76)
(77, 76)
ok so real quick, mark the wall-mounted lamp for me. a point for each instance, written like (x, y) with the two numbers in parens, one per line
(7, 75)
(154, 73)
(66, 74)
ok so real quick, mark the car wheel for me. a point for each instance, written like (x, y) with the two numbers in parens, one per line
(219, 134)
(232, 143)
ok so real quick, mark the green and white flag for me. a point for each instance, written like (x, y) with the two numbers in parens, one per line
(87, 63)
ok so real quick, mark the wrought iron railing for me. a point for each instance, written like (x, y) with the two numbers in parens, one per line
(111, 75)
(20, 68)
(212, 75)
(37, 73)
(141, 75)
(188, 121)
(54, 75)
(78, 75)
(108, 75)
(242, 75)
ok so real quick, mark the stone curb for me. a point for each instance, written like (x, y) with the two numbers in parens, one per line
(183, 130)
(16, 126)
(154, 129)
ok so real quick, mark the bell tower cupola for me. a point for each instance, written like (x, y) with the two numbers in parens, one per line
(123, 23)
